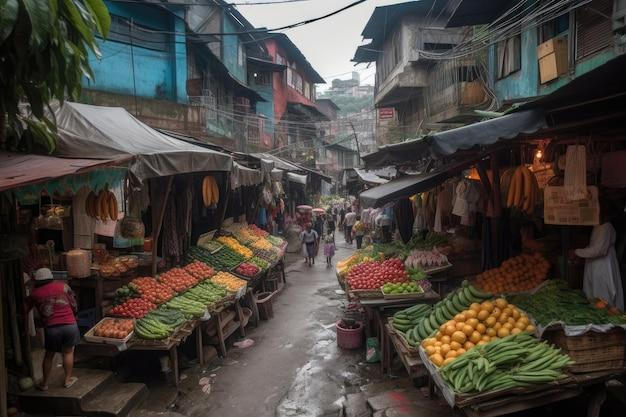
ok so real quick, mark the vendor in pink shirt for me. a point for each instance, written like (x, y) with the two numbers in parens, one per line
(56, 305)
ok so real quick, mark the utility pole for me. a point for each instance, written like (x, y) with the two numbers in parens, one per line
(356, 138)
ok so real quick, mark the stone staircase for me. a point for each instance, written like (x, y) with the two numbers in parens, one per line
(96, 394)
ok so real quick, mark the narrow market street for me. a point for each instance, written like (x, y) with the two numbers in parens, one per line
(294, 367)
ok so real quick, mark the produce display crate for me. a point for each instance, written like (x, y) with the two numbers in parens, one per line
(437, 269)
(592, 351)
(377, 293)
(403, 296)
(407, 348)
(91, 337)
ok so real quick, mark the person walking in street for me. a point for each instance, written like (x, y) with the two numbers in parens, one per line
(56, 305)
(330, 224)
(309, 239)
(349, 223)
(329, 247)
(359, 231)
(342, 216)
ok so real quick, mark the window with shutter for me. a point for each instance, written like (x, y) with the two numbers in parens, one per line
(509, 56)
(593, 28)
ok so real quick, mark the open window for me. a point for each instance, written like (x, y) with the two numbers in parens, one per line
(509, 56)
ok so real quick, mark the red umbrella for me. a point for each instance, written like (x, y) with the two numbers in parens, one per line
(319, 210)
(304, 208)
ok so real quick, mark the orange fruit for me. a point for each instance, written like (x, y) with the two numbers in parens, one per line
(455, 346)
(515, 330)
(474, 307)
(497, 326)
(501, 303)
(482, 342)
(487, 305)
(503, 318)
(475, 337)
(459, 325)
(472, 322)
(507, 326)
(520, 325)
(430, 350)
(438, 335)
(511, 320)
(530, 328)
(445, 339)
(481, 328)
(491, 332)
(496, 312)
(445, 348)
(471, 314)
(459, 317)
(437, 359)
(491, 321)
(482, 315)
(467, 329)
(460, 351)
(438, 343)
(486, 338)
(451, 354)
(459, 337)
(448, 360)
(449, 330)
(503, 332)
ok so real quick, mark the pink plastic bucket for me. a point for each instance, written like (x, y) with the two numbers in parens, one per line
(349, 338)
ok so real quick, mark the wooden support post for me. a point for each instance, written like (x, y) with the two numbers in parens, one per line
(3, 370)
(199, 344)
(225, 193)
(174, 364)
(220, 334)
(484, 178)
(158, 213)
(240, 317)
(496, 201)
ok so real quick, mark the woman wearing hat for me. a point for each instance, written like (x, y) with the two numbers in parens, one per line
(56, 305)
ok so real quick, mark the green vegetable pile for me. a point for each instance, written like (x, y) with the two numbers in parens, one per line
(556, 302)
(405, 320)
(428, 242)
(123, 294)
(390, 250)
(212, 246)
(224, 260)
(207, 293)
(261, 263)
(187, 305)
(159, 324)
(514, 361)
(275, 240)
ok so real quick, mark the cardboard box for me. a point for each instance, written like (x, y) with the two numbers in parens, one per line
(553, 59)
(558, 209)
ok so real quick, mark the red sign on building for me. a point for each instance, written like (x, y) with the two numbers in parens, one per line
(386, 113)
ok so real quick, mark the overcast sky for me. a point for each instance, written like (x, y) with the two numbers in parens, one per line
(328, 44)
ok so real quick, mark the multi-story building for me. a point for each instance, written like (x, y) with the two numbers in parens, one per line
(173, 67)
(547, 45)
(425, 93)
(289, 87)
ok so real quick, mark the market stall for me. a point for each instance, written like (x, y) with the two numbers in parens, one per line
(525, 329)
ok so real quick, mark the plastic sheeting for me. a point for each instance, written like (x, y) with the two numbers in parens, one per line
(297, 178)
(244, 176)
(450, 141)
(86, 131)
(369, 177)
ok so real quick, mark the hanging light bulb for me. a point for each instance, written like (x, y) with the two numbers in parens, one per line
(539, 154)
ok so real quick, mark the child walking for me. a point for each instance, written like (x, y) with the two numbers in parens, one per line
(329, 247)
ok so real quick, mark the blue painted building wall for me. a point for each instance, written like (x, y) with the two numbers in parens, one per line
(525, 82)
(230, 50)
(157, 74)
(265, 109)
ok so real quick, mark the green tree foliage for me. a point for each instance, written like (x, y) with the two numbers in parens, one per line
(44, 47)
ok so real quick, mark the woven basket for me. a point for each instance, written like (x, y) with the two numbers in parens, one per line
(592, 351)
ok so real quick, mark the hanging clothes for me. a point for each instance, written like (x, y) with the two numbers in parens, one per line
(404, 218)
(602, 277)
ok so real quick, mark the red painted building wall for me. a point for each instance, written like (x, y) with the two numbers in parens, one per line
(282, 92)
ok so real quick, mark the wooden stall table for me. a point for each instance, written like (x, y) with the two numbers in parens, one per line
(412, 363)
(171, 344)
(378, 309)
(493, 404)
(224, 323)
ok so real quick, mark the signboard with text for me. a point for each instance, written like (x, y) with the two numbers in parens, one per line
(386, 113)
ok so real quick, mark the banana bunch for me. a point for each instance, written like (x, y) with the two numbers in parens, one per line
(210, 191)
(523, 191)
(102, 206)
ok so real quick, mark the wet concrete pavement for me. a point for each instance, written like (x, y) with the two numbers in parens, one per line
(294, 367)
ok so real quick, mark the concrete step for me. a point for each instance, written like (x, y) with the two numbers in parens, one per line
(115, 400)
(65, 401)
(356, 406)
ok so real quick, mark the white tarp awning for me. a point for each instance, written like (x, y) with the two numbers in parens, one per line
(369, 177)
(86, 131)
(297, 178)
(244, 176)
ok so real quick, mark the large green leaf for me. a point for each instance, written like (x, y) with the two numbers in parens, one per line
(8, 15)
(39, 15)
(101, 14)
(76, 20)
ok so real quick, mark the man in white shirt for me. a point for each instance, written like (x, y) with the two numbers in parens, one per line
(384, 222)
(349, 222)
